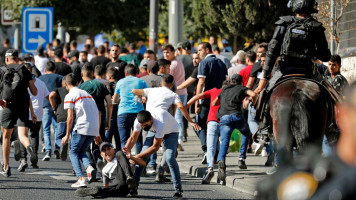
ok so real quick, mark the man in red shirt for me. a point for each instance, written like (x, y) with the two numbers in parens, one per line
(245, 72)
(213, 129)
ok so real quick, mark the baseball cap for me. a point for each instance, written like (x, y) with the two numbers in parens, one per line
(237, 78)
(187, 46)
(12, 52)
(28, 56)
(73, 53)
(144, 63)
(152, 65)
(105, 144)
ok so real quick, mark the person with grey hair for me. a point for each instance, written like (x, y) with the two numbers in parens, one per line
(238, 62)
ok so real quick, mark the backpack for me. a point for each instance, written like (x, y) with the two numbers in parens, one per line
(298, 42)
(10, 84)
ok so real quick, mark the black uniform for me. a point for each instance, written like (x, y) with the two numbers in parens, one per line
(296, 54)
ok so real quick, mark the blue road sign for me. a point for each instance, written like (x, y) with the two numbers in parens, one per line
(37, 28)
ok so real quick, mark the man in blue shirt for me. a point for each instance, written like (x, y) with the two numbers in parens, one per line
(129, 106)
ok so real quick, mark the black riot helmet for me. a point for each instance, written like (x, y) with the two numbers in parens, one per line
(303, 6)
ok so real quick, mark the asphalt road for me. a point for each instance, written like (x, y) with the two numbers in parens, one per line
(53, 179)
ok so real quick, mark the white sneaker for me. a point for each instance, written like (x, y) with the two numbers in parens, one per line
(258, 149)
(264, 153)
(79, 183)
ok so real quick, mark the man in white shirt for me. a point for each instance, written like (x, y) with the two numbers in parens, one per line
(41, 60)
(85, 129)
(162, 127)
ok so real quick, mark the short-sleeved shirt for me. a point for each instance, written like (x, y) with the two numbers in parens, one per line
(37, 101)
(128, 102)
(61, 113)
(163, 123)
(256, 73)
(130, 58)
(214, 71)
(62, 68)
(235, 70)
(339, 83)
(212, 94)
(177, 71)
(187, 61)
(161, 97)
(152, 80)
(98, 91)
(195, 73)
(119, 65)
(52, 82)
(100, 60)
(86, 111)
(231, 98)
(110, 171)
(245, 73)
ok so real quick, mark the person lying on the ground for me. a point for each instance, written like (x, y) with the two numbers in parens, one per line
(117, 171)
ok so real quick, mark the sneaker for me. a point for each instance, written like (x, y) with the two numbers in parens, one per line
(56, 154)
(83, 192)
(204, 161)
(160, 178)
(33, 155)
(180, 147)
(23, 165)
(79, 183)
(35, 166)
(6, 173)
(258, 149)
(241, 164)
(131, 183)
(17, 150)
(91, 173)
(272, 170)
(264, 153)
(151, 170)
(208, 176)
(222, 170)
(47, 157)
(133, 192)
(178, 194)
(64, 152)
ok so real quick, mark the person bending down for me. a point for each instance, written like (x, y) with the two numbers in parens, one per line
(117, 171)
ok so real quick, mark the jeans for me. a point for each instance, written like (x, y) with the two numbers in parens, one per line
(201, 119)
(227, 124)
(113, 131)
(78, 147)
(212, 141)
(179, 117)
(60, 132)
(48, 119)
(34, 130)
(171, 142)
(125, 123)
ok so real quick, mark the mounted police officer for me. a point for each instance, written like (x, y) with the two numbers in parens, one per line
(297, 41)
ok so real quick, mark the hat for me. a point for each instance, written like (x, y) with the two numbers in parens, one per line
(12, 52)
(144, 63)
(187, 46)
(237, 78)
(105, 144)
(28, 56)
(224, 41)
(73, 53)
(180, 45)
(153, 66)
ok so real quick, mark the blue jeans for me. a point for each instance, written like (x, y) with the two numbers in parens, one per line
(60, 132)
(48, 119)
(212, 141)
(125, 123)
(171, 142)
(78, 147)
(113, 131)
(227, 124)
(179, 117)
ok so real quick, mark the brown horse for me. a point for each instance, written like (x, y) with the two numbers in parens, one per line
(299, 111)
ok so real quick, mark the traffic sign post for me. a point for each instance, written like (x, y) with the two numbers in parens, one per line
(37, 28)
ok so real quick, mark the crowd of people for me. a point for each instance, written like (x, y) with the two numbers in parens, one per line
(102, 102)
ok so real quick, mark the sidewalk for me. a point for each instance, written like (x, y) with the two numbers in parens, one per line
(241, 180)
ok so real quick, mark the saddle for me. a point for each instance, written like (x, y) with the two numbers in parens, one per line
(262, 105)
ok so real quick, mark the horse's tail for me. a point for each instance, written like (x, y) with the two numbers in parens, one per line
(299, 117)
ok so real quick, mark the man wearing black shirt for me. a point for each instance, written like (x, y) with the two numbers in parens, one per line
(61, 67)
(100, 59)
(75, 65)
(116, 62)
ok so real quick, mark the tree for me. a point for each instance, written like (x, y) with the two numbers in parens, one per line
(324, 16)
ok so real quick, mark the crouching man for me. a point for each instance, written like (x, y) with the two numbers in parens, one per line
(162, 127)
(117, 175)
